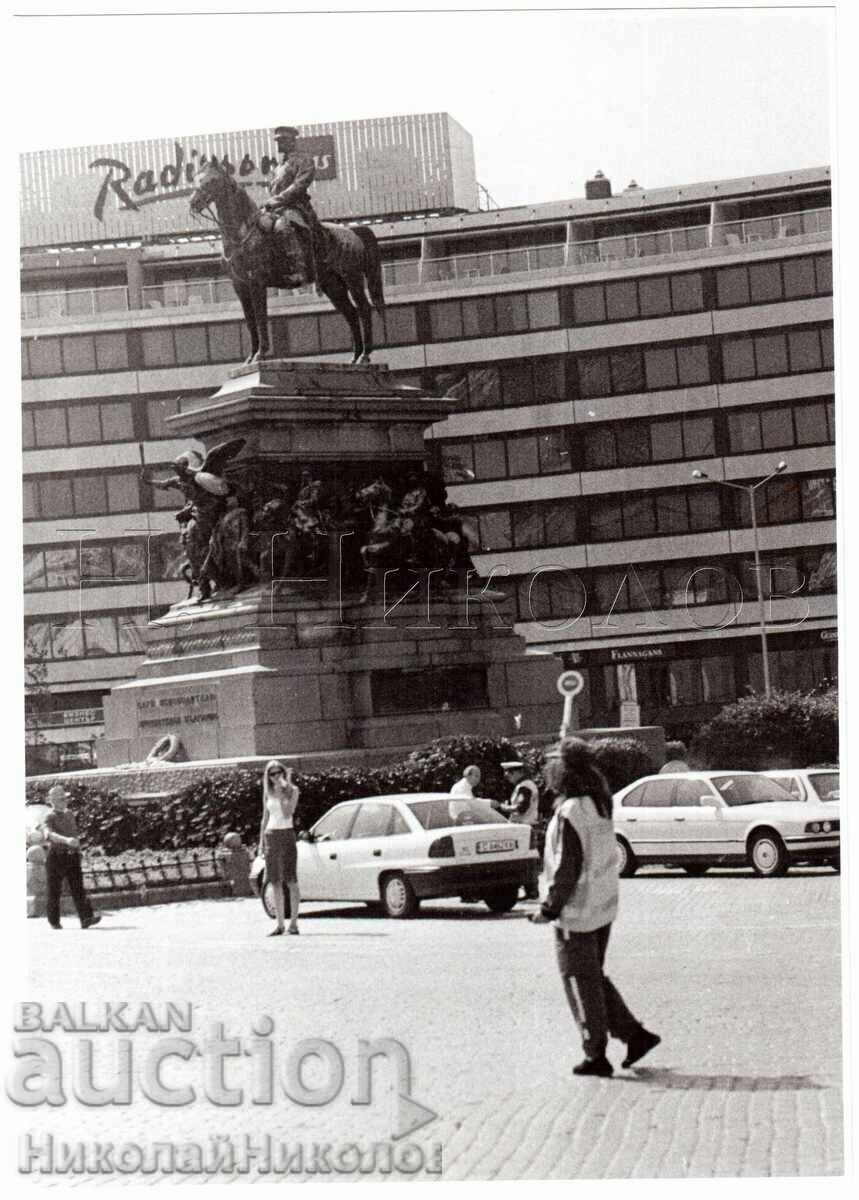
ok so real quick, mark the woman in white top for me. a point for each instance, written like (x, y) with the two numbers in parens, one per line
(277, 841)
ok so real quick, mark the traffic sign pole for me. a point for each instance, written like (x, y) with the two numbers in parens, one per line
(569, 684)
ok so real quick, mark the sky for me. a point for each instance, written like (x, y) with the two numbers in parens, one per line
(662, 96)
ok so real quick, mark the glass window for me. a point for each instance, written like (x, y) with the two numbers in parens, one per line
(744, 432)
(738, 358)
(654, 296)
(560, 521)
(123, 492)
(129, 559)
(45, 356)
(828, 347)
(37, 636)
(116, 422)
(111, 351)
(798, 277)
(89, 494)
(703, 509)
(517, 384)
(717, 676)
(100, 635)
(61, 567)
(698, 437)
(660, 365)
(446, 319)
(334, 333)
(50, 427)
(31, 500)
(84, 424)
(478, 317)
(543, 311)
(527, 525)
(156, 413)
(78, 354)
(776, 428)
(28, 429)
(633, 444)
(34, 570)
(666, 440)
(373, 820)
(303, 336)
(67, 638)
(130, 626)
(627, 373)
(817, 499)
(495, 530)
(335, 824)
(810, 422)
(489, 459)
(225, 342)
(684, 682)
(600, 451)
(639, 516)
(594, 378)
(522, 455)
(549, 378)
(671, 514)
(782, 501)
(457, 462)
(95, 562)
(554, 455)
(764, 282)
(693, 364)
(805, 352)
(635, 798)
(732, 287)
(484, 386)
(611, 591)
(830, 419)
(191, 344)
(56, 497)
(621, 300)
(688, 793)
(771, 354)
(822, 571)
(687, 292)
(823, 270)
(157, 348)
(588, 304)
(606, 521)
(658, 793)
(458, 810)
(511, 312)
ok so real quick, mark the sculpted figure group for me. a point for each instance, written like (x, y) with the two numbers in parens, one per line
(233, 538)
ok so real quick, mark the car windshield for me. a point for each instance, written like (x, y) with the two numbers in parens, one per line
(456, 810)
(827, 784)
(750, 789)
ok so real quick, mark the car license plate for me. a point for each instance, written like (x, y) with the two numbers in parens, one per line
(497, 846)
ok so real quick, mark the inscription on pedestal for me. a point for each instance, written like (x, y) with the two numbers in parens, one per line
(166, 713)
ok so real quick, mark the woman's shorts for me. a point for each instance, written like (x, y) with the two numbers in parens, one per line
(280, 855)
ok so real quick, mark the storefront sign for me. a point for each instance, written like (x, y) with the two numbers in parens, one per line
(829, 635)
(637, 654)
(630, 714)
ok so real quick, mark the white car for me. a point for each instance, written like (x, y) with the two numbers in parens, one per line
(818, 784)
(395, 851)
(702, 819)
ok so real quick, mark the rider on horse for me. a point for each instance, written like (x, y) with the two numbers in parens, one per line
(290, 205)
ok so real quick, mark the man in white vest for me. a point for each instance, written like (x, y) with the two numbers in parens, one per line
(523, 807)
(580, 866)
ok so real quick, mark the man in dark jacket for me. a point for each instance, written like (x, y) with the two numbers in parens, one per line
(290, 203)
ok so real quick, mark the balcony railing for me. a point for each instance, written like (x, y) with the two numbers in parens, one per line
(413, 273)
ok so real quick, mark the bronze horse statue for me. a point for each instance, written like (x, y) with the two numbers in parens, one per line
(348, 263)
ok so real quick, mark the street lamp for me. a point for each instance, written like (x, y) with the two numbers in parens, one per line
(751, 490)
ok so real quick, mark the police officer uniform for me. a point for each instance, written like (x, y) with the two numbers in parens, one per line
(290, 202)
(524, 808)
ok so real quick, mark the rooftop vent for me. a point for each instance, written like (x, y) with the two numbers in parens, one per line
(598, 188)
(632, 186)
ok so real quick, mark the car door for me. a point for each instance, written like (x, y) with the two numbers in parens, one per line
(655, 819)
(319, 860)
(363, 854)
(626, 817)
(698, 824)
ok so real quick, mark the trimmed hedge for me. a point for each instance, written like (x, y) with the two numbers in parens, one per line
(229, 798)
(788, 729)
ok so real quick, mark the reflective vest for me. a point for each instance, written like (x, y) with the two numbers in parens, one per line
(532, 812)
(594, 901)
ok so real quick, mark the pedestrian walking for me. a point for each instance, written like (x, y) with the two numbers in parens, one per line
(466, 785)
(64, 861)
(523, 807)
(277, 842)
(582, 882)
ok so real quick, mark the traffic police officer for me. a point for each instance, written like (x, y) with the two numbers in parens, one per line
(523, 807)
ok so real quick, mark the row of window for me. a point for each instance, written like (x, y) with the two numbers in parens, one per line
(638, 443)
(433, 689)
(86, 635)
(659, 513)
(81, 495)
(561, 594)
(130, 560)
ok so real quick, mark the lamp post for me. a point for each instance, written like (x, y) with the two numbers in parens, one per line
(751, 490)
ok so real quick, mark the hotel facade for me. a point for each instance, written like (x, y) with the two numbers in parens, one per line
(620, 358)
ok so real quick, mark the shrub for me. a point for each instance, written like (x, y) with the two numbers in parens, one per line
(621, 759)
(786, 729)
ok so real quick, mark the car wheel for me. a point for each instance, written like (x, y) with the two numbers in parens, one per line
(626, 864)
(267, 897)
(768, 855)
(398, 897)
(502, 900)
(696, 869)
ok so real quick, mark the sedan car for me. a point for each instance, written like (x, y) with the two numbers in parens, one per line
(702, 819)
(820, 785)
(395, 851)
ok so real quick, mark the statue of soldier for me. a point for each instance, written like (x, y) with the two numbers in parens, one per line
(295, 220)
(416, 511)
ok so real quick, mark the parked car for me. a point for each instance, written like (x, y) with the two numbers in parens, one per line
(395, 851)
(820, 784)
(702, 819)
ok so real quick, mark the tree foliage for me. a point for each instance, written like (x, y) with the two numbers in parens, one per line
(786, 729)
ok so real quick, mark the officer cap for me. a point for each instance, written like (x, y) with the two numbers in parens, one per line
(512, 766)
(286, 131)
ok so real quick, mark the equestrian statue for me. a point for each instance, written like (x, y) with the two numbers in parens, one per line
(283, 244)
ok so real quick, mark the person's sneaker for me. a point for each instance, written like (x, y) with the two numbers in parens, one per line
(640, 1044)
(594, 1066)
(90, 921)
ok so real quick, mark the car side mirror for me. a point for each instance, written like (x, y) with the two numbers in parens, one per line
(305, 836)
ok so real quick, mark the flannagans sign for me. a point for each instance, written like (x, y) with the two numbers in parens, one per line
(173, 179)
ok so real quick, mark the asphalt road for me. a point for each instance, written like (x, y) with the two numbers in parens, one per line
(740, 976)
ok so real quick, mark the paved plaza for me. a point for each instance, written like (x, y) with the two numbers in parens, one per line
(739, 975)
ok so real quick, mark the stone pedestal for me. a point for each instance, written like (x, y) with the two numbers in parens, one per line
(302, 666)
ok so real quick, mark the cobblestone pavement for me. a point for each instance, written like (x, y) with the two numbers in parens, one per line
(740, 976)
